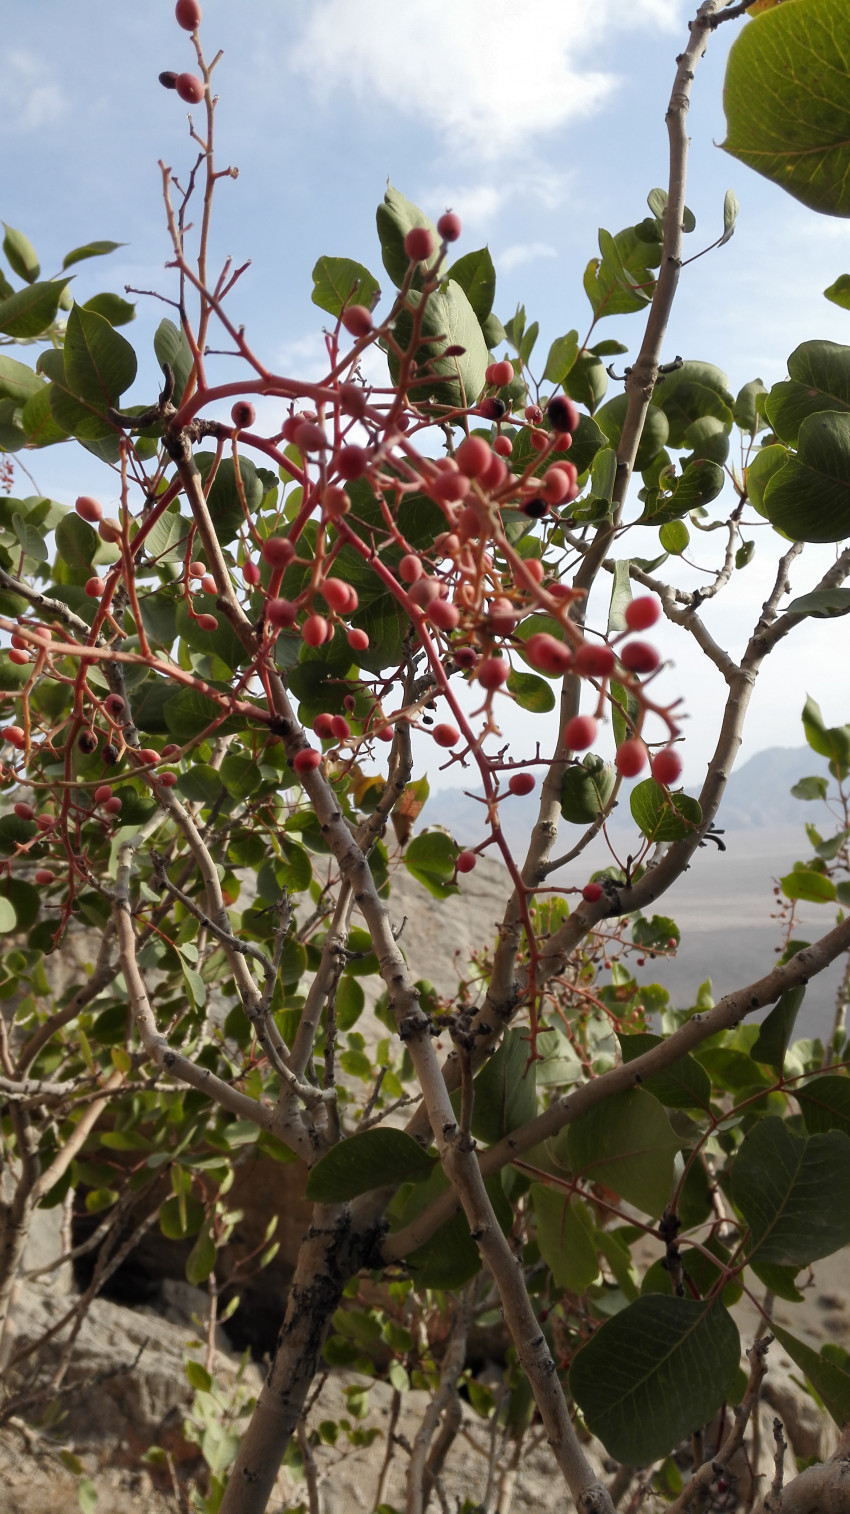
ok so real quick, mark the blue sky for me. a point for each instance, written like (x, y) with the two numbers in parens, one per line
(537, 123)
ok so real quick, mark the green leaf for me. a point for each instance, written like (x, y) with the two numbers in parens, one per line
(17, 382)
(586, 788)
(708, 438)
(31, 311)
(624, 280)
(505, 1090)
(805, 883)
(116, 311)
(448, 317)
(200, 1263)
(450, 1258)
(662, 816)
(171, 346)
(830, 1380)
(198, 1376)
(764, 465)
(683, 1085)
(30, 539)
(338, 282)
(775, 1031)
(746, 409)
(224, 500)
(819, 379)
(623, 702)
(180, 1217)
(87, 1495)
(730, 216)
(562, 355)
(839, 292)
(656, 428)
(628, 1144)
(793, 1193)
(90, 250)
(475, 274)
(654, 1372)
(697, 486)
(780, 1280)
(825, 1103)
(564, 1240)
(531, 692)
(395, 218)
(809, 498)
(787, 101)
(99, 364)
(586, 381)
(832, 742)
(350, 1002)
(20, 254)
(365, 1161)
(189, 712)
(76, 544)
(690, 393)
(674, 537)
(430, 858)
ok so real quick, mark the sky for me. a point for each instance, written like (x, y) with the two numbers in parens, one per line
(538, 124)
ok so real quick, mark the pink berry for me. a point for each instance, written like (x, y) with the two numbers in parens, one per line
(591, 892)
(449, 226)
(45, 822)
(188, 13)
(307, 760)
(114, 706)
(243, 415)
(337, 594)
(466, 861)
(167, 780)
(642, 613)
(521, 783)
(109, 530)
(503, 446)
(667, 766)
(443, 615)
(424, 592)
(496, 474)
(502, 616)
(18, 657)
(419, 244)
(491, 408)
(340, 727)
(147, 755)
(323, 726)
(535, 569)
(473, 456)
(251, 573)
(594, 661)
(539, 440)
(24, 811)
(563, 414)
(410, 569)
(640, 657)
(14, 735)
(113, 805)
(580, 733)
(95, 588)
(499, 374)
(445, 734)
(357, 639)
(465, 657)
(89, 509)
(281, 613)
(102, 793)
(534, 414)
(492, 673)
(357, 320)
(43, 876)
(206, 623)
(352, 462)
(335, 501)
(172, 752)
(631, 757)
(547, 654)
(315, 630)
(190, 88)
(385, 733)
(208, 584)
(310, 438)
(278, 551)
(556, 485)
(196, 569)
(449, 487)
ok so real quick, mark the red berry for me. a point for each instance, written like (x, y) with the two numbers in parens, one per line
(667, 766)
(147, 755)
(307, 760)
(521, 783)
(640, 657)
(251, 573)
(188, 13)
(410, 569)
(113, 805)
(419, 244)
(281, 613)
(109, 530)
(492, 673)
(196, 569)
(89, 509)
(556, 485)
(208, 584)
(114, 706)
(340, 727)
(19, 643)
(310, 438)
(243, 415)
(190, 88)
(445, 734)
(473, 456)
(45, 822)
(466, 861)
(449, 487)
(278, 551)
(539, 440)
(24, 811)
(167, 780)
(337, 594)
(443, 615)
(315, 630)
(323, 726)
(594, 661)
(168, 78)
(449, 226)
(172, 752)
(95, 588)
(19, 657)
(642, 613)
(335, 501)
(591, 892)
(580, 733)
(501, 617)
(491, 408)
(534, 414)
(499, 374)
(535, 569)
(43, 876)
(206, 623)
(547, 654)
(563, 414)
(102, 793)
(465, 657)
(385, 733)
(14, 735)
(354, 400)
(503, 446)
(357, 320)
(631, 757)
(424, 592)
(357, 640)
(352, 462)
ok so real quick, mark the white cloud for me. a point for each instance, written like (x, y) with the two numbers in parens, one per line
(524, 252)
(485, 77)
(32, 97)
